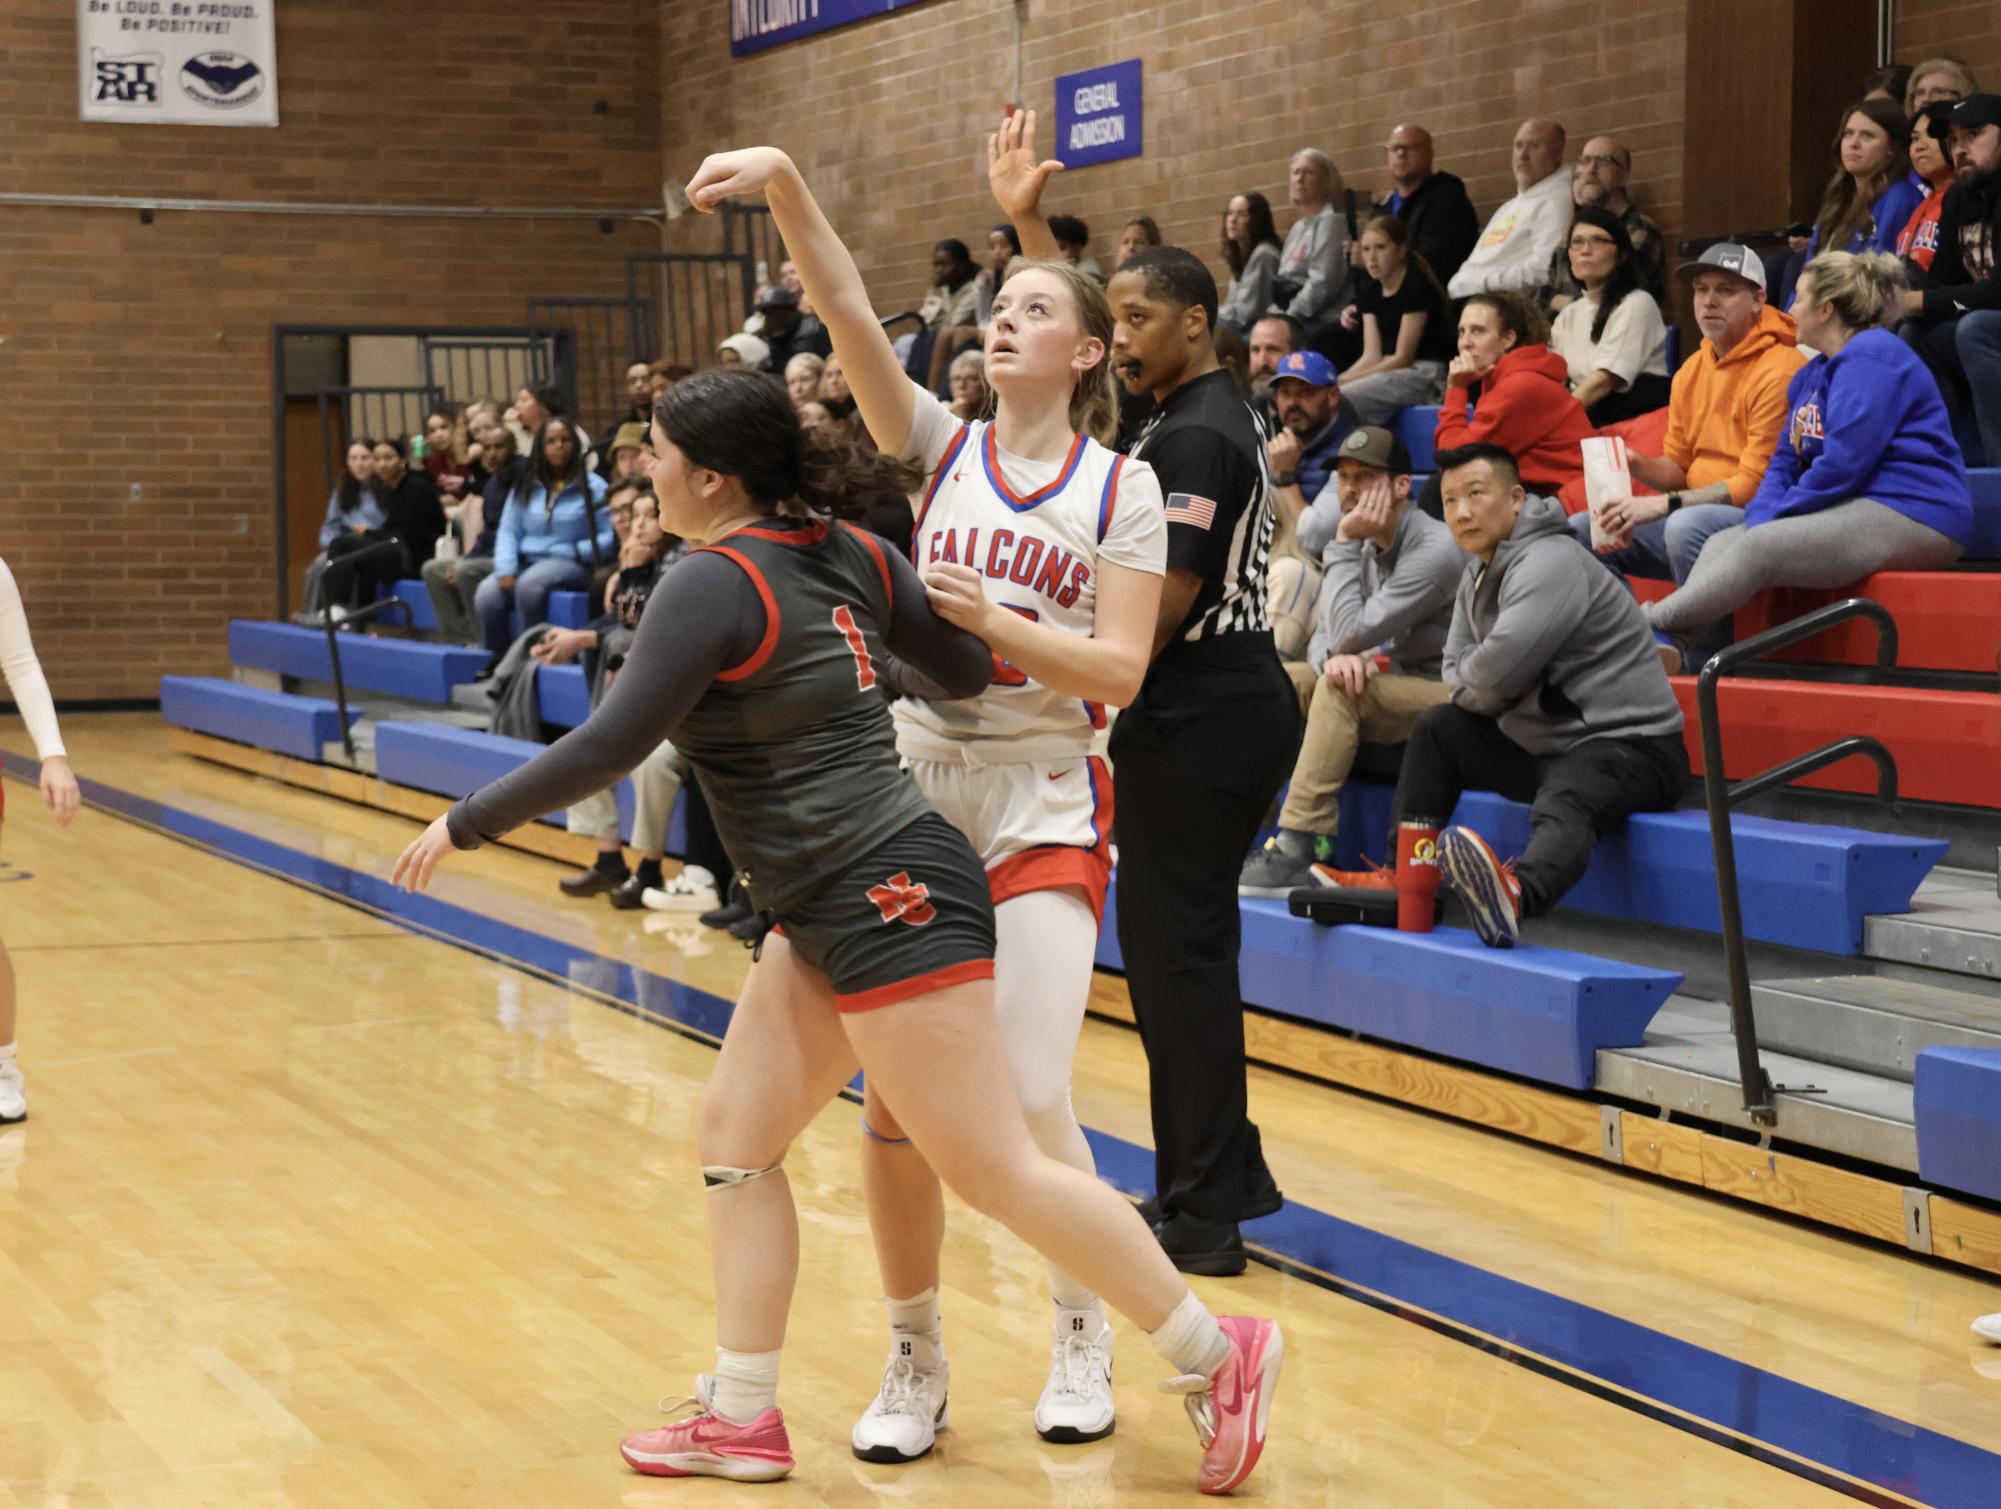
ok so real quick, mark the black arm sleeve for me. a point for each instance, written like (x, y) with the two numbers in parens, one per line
(1194, 463)
(704, 619)
(929, 657)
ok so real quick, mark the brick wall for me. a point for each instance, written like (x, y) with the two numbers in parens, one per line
(141, 354)
(1969, 30)
(888, 118)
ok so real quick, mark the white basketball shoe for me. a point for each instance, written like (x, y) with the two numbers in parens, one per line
(1076, 1403)
(910, 1408)
(13, 1094)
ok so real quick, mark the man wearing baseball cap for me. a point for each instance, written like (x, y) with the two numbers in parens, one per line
(1313, 420)
(1957, 310)
(786, 331)
(1725, 410)
(1375, 661)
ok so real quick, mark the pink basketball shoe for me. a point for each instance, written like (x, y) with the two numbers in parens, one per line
(1231, 1406)
(708, 1446)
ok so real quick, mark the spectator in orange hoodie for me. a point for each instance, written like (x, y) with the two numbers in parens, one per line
(1525, 404)
(1725, 411)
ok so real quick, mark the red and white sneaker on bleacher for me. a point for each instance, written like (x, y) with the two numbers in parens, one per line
(1232, 1406)
(705, 1445)
(1486, 887)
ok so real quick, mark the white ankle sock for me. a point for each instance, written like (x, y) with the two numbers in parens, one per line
(1091, 1313)
(1190, 1339)
(917, 1315)
(6, 1053)
(746, 1384)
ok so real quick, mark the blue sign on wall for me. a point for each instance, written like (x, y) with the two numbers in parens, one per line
(758, 24)
(1098, 115)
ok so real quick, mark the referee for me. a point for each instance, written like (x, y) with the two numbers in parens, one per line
(1197, 758)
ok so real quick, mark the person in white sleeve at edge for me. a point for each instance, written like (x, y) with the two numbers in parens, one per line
(30, 691)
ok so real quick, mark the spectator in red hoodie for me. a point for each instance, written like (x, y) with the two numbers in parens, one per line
(1524, 406)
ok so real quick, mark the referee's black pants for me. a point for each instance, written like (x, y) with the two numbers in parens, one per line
(1196, 762)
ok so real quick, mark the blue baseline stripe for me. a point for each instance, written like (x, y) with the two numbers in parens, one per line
(1851, 1439)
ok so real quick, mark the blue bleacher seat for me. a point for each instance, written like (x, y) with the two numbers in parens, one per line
(410, 592)
(564, 693)
(1985, 484)
(1415, 427)
(1801, 884)
(401, 667)
(1958, 1102)
(451, 761)
(297, 726)
(1538, 1012)
(570, 610)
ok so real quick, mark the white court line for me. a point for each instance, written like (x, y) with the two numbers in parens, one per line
(283, 1424)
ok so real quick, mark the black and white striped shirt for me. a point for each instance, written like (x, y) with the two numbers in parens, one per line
(1206, 444)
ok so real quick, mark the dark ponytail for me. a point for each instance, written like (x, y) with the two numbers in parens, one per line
(743, 425)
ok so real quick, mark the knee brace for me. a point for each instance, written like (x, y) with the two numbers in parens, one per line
(874, 1136)
(722, 1176)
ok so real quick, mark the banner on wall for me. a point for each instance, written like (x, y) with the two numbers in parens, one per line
(1098, 115)
(758, 24)
(177, 62)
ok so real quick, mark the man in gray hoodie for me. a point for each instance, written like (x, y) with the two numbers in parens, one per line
(1558, 696)
(1373, 662)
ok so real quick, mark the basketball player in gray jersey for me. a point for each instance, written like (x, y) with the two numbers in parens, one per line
(762, 657)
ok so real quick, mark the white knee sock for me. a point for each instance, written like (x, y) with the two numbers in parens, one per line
(1190, 1339)
(746, 1384)
(1046, 944)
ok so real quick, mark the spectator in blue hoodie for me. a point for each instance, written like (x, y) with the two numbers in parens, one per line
(1867, 476)
(554, 532)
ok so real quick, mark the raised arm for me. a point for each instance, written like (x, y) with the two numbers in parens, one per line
(833, 283)
(1016, 178)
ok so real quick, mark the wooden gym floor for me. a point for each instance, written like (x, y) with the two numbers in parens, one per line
(326, 1201)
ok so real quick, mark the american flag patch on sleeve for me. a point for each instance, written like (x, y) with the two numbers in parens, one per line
(1186, 508)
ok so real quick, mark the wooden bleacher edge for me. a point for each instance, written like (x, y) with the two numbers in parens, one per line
(1962, 1232)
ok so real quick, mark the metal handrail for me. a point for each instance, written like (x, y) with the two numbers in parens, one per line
(359, 615)
(1720, 796)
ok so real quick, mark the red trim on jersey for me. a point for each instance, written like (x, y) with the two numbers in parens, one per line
(952, 449)
(917, 985)
(990, 458)
(770, 641)
(812, 534)
(881, 560)
(1051, 868)
(1110, 501)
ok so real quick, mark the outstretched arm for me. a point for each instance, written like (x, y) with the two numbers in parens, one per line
(828, 271)
(1016, 178)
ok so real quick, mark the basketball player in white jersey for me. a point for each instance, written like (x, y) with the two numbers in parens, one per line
(30, 691)
(1051, 547)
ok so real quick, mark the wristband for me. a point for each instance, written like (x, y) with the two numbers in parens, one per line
(1285, 479)
(1674, 501)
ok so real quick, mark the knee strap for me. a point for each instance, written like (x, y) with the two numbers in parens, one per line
(722, 1176)
(874, 1136)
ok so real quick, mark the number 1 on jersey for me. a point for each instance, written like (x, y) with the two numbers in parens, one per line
(844, 620)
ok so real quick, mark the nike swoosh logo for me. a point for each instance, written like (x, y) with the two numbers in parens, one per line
(1235, 1403)
(1057, 775)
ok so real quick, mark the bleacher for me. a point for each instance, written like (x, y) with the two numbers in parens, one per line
(1617, 995)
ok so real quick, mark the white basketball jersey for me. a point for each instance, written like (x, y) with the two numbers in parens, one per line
(1038, 556)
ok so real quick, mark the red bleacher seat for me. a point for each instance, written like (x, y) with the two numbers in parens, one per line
(1947, 744)
(1946, 620)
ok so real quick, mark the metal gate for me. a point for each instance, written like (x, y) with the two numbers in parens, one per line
(698, 297)
(351, 414)
(465, 368)
(600, 337)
